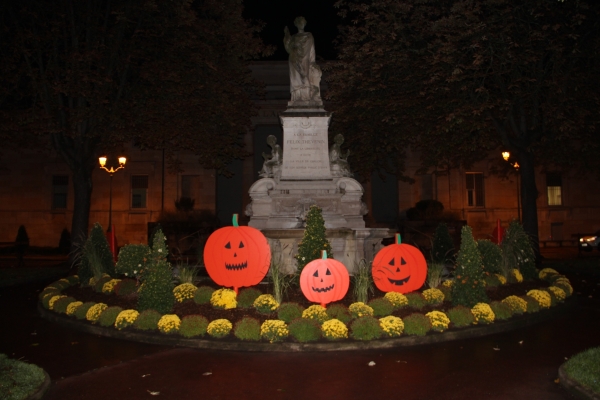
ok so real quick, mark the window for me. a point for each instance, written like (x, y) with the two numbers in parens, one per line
(427, 187)
(139, 191)
(475, 196)
(187, 186)
(554, 187)
(60, 188)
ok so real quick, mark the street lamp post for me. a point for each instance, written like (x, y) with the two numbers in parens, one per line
(111, 171)
(506, 156)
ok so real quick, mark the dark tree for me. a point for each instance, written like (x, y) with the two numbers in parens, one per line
(456, 79)
(95, 74)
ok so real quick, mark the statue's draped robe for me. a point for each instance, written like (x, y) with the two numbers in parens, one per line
(301, 48)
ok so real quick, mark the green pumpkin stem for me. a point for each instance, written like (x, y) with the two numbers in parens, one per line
(234, 220)
(323, 254)
(398, 239)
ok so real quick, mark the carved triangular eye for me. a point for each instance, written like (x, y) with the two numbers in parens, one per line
(392, 262)
(316, 274)
(402, 262)
(327, 273)
(228, 245)
(241, 245)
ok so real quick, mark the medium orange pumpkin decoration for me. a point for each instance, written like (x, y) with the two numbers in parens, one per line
(237, 256)
(324, 280)
(399, 268)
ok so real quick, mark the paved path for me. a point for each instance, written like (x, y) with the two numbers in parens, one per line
(517, 365)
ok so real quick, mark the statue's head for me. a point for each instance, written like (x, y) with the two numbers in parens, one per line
(271, 140)
(339, 139)
(300, 23)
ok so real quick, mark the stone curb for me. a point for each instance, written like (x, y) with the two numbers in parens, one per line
(575, 387)
(347, 345)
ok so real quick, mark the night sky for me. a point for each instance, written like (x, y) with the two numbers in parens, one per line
(321, 17)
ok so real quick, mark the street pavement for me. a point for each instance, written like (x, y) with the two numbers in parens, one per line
(521, 364)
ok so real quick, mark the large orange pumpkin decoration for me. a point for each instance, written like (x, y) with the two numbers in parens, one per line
(237, 256)
(399, 268)
(324, 280)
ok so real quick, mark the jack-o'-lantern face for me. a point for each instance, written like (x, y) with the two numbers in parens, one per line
(237, 256)
(324, 280)
(399, 268)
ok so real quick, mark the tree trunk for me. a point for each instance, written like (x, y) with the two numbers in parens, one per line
(82, 187)
(529, 194)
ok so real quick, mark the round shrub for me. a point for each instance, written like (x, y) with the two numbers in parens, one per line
(339, 311)
(274, 330)
(398, 300)
(224, 299)
(501, 278)
(247, 329)
(316, 312)
(72, 307)
(109, 286)
(73, 279)
(391, 326)
(246, 297)
(99, 284)
(360, 309)
(169, 323)
(193, 325)
(49, 296)
(447, 291)
(53, 300)
(516, 276)
(184, 292)
(553, 299)
(542, 297)
(126, 287)
(416, 300)
(381, 307)
(483, 313)
(305, 330)
(82, 310)
(288, 312)
(61, 284)
(95, 311)
(126, 318)
(416, 324)
(545, 273)
(492, 281)
(334, 329)
(365, 328)
(147, 320)
(109, 316)
(532, 304)
(516, 304)
(565, 285)
(203, 294)
(60, 305)
(501, 310)
(219, 328)
(558, 293)
(439, 320)
(433, 296)
(47, 291)
(132, 259)
(265, 304)
(461, 316)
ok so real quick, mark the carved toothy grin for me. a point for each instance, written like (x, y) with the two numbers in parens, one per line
(322, 290)
(399, 282)
(236, 267)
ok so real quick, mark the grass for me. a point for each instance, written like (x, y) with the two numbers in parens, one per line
(19, 380)
(585, 369)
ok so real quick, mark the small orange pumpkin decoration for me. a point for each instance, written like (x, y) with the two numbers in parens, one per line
(399, 268)
(237, 256)
(324, 280)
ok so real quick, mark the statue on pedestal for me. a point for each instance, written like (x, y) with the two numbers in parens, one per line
(272, 162)
(305, 74)
(338, 161)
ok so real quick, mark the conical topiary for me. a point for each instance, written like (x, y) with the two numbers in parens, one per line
(156, 292)
(314, 240)
(517, 252)
(491, 256)
(95, 258)
(442, 248)
(469, 285)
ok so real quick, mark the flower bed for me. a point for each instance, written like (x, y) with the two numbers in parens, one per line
(215, 314)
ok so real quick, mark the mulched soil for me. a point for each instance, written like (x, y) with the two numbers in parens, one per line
(189, 307)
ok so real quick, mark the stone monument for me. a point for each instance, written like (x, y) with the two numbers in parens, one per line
(306, 172)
